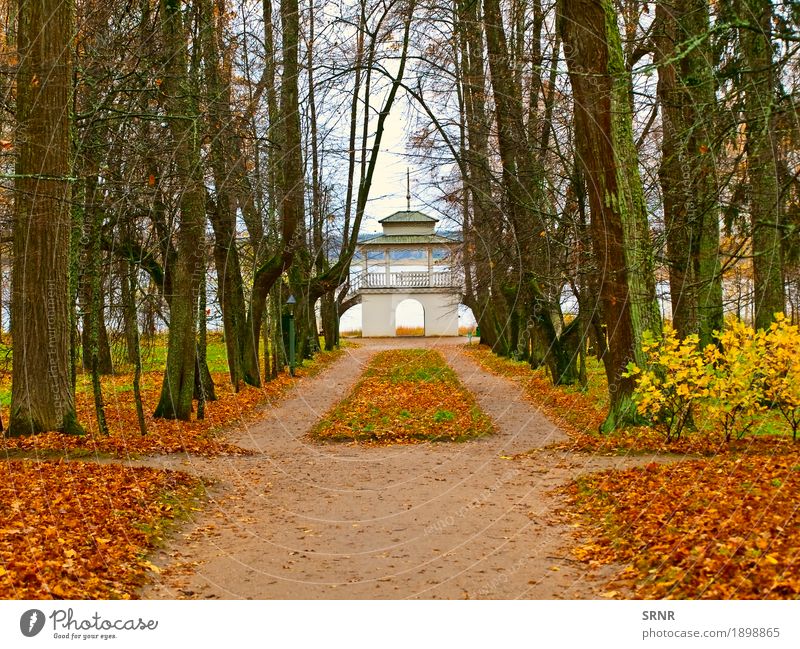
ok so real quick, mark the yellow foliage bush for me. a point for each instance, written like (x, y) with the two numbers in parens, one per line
(781, 370)
(734, 380)
(676, 378)
(737, 386)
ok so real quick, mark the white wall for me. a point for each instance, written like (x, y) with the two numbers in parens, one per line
(379, 313)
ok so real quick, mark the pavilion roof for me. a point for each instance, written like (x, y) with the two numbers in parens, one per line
(408, 216)
(408, 239)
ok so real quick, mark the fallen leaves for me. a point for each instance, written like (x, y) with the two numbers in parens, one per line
(405, 396)
(580, 413)
(577, 413)
(721, 528)
(198, 436)
(75, 530)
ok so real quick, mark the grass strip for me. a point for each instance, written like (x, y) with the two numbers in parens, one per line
(405, 396)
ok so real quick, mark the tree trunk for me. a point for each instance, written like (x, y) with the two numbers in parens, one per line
(200, 385)
(42, 393)
(687, 173)
(762, 158)
(620, 233)
(241, 347)
(95, 304)
(129, 284)
(486, 239)
(330, 321)
(182, 115)
(105, 364)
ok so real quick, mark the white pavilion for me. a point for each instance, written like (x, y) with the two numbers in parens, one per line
(408, 261)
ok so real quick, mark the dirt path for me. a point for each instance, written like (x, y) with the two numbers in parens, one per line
(311, 521)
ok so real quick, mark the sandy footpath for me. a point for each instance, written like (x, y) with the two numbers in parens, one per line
(304, 520)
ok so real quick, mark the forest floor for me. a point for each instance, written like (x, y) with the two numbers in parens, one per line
(303, 519)
(397, 468)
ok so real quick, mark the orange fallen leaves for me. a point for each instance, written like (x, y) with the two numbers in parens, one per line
(198, 436)
(75, 530)
(725, 526)
(580, 415)
(406, 396)
(722, 528)
(575, 412)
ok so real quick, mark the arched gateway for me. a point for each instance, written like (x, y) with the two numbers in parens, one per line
(409, 260)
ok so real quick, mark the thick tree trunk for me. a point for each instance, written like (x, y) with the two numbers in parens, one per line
(620, 233)
(182, 116)
(687, 173)
(42, 393)
(759, 83)
(330, 320)
(225, 157)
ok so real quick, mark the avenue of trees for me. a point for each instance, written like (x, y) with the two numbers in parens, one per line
(609, 162)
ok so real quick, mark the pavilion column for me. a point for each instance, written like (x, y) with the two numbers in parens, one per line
(430, 266)
(386, 264)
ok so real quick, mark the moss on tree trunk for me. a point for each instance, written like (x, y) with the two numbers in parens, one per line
(620, 232)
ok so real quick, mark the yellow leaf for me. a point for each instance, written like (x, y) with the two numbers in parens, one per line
(151, 566)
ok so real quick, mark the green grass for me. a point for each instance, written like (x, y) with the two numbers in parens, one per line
(405, 396)
(154, 359)
(411, 365)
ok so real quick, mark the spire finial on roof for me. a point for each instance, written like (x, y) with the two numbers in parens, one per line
(408, 189)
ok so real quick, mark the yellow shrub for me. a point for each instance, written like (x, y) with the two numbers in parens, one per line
(781, 370)
(676, 378)
(735, 380)
(737, 386)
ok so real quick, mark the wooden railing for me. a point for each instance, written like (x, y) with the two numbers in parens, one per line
(437, 279)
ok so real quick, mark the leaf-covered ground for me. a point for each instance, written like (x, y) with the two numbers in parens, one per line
(405, 396)
(581, 412)
(76, 530)
(724, 528)
(199, 437)
(80, 530)
(723, 525)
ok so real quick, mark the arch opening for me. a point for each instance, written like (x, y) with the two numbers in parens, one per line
(350, 322)
(409, 318)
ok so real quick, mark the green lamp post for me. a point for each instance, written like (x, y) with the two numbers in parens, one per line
(290, 303)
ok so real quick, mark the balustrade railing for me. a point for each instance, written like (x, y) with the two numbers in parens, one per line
(423, 279)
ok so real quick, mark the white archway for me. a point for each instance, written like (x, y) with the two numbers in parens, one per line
(409, 318)
(350, 322)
